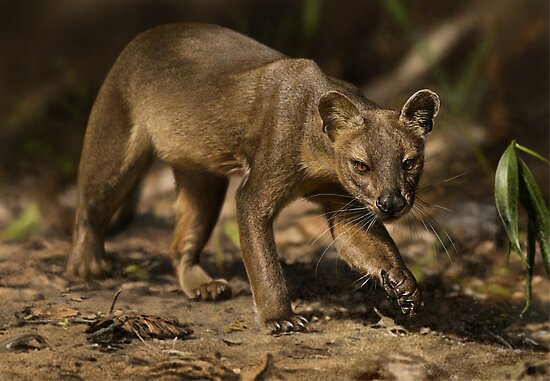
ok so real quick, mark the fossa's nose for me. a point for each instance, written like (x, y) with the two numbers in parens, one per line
(391, 203)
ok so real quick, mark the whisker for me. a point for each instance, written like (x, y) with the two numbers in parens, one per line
(441, 241)
(428, 186)
(355, 225)
(362, 277)
(432, 219)
(371, 223)
(327, 195)
(334, 213)
(409, 219)
(451, 240)
(368, 277)
(439, 225)
(421, 220)
(329, 227)
(429, 204)
(344, 209)
(361, 225)
(335, 239)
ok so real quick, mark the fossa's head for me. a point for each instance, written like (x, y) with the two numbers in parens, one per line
(379, 154)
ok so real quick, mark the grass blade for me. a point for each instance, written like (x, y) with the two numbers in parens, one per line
(507, 194)
(532, 153)
(537, 211)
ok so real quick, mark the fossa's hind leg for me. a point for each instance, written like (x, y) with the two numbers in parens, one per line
(114, 159)
(200, 198)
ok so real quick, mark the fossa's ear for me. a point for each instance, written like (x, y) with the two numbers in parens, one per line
(338, 113)
(420, 110)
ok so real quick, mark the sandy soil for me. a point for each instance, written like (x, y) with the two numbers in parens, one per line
(470, 327)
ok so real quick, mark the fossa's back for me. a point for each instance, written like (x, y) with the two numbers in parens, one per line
(196, 88)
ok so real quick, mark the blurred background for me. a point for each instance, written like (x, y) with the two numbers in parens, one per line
(488, 61)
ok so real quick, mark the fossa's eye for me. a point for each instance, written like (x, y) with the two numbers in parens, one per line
(408, 164)
(360, 167)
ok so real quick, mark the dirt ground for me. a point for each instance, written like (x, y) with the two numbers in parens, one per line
(469, 329)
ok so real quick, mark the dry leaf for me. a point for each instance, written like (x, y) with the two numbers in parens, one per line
(237, 325)
(46, 312)
(120, 328)
(54, 312)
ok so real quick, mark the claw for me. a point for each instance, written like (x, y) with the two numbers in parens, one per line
(213, 291)
(287, 326)
(197, 296)
(295, 323)
(415, 291)
(384, 278)
(402, 286)
(395, 285)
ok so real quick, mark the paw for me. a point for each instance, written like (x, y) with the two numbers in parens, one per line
(294, 323)
(400, 284)
(217, 289)
(88, 268)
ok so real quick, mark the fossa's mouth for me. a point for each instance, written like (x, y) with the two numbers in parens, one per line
(381, 216)
(389, 218)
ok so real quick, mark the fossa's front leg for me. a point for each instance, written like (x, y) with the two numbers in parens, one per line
(256, 205)
(367, 247)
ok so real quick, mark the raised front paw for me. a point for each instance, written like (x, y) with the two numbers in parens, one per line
(400, 284)
(217, 289)
(293, 323)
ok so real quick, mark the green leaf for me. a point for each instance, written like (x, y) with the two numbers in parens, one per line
(136, 272)
(532, 153)
(65, 323)
(507, 194)
(537, 211)
(27, 222)
(531, 251)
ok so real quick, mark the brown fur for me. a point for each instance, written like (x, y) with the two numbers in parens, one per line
(212, 103)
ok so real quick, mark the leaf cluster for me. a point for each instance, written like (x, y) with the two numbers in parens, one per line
(514, 186)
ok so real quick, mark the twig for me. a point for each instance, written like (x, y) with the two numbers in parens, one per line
(114, 302)
(78, 320)
(22, 322)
